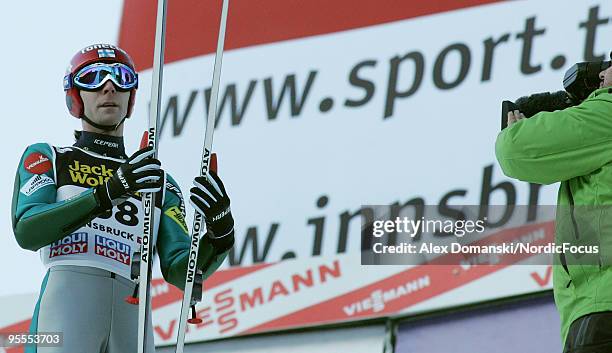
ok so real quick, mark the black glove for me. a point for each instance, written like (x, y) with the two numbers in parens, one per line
(208, 196)
(140, 173)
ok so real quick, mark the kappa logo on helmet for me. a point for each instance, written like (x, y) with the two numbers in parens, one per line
(37, 163)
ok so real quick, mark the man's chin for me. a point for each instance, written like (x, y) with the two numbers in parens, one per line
(108, 120)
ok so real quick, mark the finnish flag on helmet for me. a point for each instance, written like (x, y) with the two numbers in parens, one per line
(106, 53)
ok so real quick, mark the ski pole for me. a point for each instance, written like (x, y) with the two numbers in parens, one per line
(188, 301)
(148, 199)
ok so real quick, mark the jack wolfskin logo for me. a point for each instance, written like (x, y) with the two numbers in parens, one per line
(85, 174)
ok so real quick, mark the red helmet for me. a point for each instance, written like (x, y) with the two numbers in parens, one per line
(107, 53)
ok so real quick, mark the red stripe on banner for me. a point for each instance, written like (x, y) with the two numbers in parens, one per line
(406, 288)
(192, 25)
(441, 278)
(222, 277)
(19, 349)
(164, 293)
(21, 326)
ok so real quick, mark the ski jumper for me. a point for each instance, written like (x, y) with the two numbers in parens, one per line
(88, 251)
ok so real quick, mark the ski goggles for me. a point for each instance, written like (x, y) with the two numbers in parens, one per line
(94, 76)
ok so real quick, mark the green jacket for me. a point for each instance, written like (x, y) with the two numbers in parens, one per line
(572, 146)
(42, 217)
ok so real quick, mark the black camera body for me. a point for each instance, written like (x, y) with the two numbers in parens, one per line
(579, 81)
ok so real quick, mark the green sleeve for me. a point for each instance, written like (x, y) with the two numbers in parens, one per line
(38, 220)
(173, 242)
(561, 145)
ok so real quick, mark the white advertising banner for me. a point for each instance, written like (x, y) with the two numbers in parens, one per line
(312, 127)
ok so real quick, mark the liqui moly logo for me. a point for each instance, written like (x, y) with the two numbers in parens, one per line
(75, 243)
(113, 249)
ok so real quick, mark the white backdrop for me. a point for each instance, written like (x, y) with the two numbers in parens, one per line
(38, 40)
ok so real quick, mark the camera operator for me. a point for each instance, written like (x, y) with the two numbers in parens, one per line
(573, 146)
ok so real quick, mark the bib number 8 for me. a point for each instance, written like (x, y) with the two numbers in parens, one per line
(127, 214)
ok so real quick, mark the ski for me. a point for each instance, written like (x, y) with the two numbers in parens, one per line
(148, 199)
(194, 276)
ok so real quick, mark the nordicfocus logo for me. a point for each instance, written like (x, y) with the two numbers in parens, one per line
(75, 243)
(37, 163)
(378, 298)
(106, 143)
(85, 174)
(112, 249)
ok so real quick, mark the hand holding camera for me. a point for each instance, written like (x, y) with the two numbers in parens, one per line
(579, 82)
